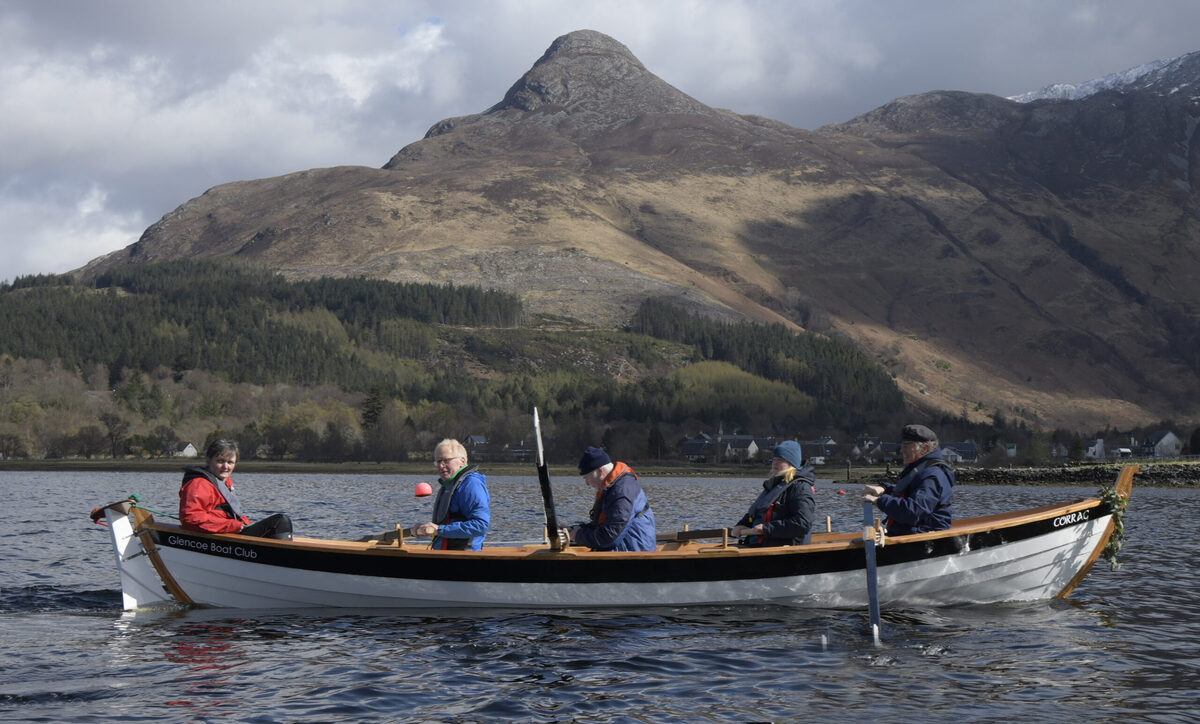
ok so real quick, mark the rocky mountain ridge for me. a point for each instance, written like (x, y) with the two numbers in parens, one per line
(1027, 259)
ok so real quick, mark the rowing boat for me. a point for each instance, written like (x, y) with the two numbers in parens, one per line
(1031, 554)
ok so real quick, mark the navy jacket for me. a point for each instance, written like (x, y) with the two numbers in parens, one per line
(920, 500)
(621, 519)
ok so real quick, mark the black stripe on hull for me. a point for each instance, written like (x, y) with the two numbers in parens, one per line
(583, 569)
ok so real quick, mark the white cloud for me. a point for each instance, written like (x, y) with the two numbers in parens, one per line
(61, 230)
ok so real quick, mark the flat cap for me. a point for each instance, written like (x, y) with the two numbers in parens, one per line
(917, 433)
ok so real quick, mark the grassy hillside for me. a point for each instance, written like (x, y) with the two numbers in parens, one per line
(145, 358)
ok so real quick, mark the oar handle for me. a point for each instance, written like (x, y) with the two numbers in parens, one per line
(700, 534)
(387, 536)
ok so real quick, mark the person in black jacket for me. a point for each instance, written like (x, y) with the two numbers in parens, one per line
(783, 512)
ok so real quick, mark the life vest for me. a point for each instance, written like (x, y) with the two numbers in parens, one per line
(777, 493)
(442, 514)
(232, 507)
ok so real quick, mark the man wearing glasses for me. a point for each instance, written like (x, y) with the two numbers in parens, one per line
(460, 512)
(920, 500)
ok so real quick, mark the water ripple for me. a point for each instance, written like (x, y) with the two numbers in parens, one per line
(1122, 648)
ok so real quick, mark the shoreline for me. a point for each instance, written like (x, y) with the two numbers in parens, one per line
(1164, 473)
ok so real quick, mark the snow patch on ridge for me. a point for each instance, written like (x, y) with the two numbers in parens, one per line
(1074, 92)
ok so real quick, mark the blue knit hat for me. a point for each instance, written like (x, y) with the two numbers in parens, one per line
(592, 458)
(789, 450)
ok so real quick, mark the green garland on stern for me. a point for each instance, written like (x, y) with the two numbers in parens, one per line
(1117, 503)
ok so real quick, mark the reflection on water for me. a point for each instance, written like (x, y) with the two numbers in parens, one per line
(1122, 647)
(209, 654)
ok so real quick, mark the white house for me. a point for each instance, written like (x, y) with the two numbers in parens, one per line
(188, 451)
(1094, 449)
(739, 447)
(1162, 444)
(960, 452)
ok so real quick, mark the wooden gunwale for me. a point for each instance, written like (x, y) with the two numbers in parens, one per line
(677, 562)
(822, 542)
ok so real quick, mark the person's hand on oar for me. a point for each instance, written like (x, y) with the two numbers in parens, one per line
(871, 493)
(741, 531)
(425, 530)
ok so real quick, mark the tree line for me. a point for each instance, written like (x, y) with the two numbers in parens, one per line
(825, 367)
(142, 359)
(245, 323)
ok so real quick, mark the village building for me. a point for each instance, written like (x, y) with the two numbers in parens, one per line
(960, 452)
(867, 447)
(1162, 444)
(819, 451)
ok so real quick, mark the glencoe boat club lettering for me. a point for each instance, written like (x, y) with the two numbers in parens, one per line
(212, 547)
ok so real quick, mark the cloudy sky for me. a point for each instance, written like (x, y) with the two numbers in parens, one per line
(114, 112)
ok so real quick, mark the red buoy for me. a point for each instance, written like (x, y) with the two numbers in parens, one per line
(424, 489)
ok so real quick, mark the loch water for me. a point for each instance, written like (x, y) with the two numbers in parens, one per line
(1124, 647)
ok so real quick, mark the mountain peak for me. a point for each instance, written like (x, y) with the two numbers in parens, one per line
(589, 74)
(572, 71)
(585, 85)
(584, 43)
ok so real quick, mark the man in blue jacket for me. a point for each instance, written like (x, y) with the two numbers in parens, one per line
(461, 512)
(920, 500)
(621, 519)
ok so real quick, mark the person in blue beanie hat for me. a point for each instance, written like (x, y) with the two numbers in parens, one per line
(784, 511)
(620, 519)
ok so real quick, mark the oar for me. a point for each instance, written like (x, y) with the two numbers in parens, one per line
(556, 543)
(685, 535)
(387, 536)
(869, 549)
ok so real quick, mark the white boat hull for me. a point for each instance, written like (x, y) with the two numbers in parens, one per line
(1025, 556)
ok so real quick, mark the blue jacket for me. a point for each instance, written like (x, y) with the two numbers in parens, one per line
(465, 517)
(920, 500)
(621, 519)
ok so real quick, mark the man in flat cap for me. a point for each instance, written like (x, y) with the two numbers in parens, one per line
(920, 500)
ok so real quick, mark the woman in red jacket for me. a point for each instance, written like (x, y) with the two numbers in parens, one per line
(207, 501)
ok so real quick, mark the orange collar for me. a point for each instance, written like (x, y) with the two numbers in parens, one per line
(618, 470)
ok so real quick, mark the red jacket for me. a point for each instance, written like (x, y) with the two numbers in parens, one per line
(198, 510)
